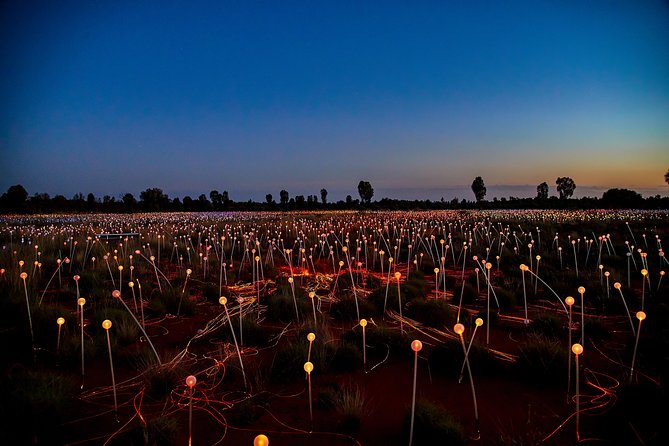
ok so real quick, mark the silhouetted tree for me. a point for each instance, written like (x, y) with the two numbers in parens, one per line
(622, 198)
(478, 187)
(666, 177)
(366, 191)
(349, 200)
(542, 191)
(216, 199)
(268, 198)
(15, 197)
(129, 201)
(324, 194)
(283, 196)
(90, 201)
(154, 199)
(203, 204)
(188, 203)
(225, 197)
(299, 201)
(565, 187)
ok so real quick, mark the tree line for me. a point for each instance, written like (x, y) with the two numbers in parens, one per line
(17, 200)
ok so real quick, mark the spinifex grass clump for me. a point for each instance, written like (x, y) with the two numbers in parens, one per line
(281, 306)
(33, 404)
(433, 312)
(541, 360)
(549, 325)
(168, 301)
(447, 359)
(434, 425)
(352, 406)
(344, 309)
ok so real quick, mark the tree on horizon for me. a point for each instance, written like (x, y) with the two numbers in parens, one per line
(324, 196)
(283, 196)
(542, 191)
(565, 187)
(479, 189)
(366, 191)
(666, 177)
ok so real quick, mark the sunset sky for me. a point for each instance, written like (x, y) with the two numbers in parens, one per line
(253, 97)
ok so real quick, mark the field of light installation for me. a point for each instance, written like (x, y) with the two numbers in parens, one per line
(341, 328)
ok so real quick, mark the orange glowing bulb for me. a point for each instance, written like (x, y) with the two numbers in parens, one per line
(459, 328)
(312, 294)
(222, 300)
(640, 315)
(116, 294)
(81, 301)
(261, 440)
(106, 324)
(398, 275)
(363, 322)
(308, 367)
(569, 301)
(577, 349)
(60, 320)
(617, 285)
(24, 275)
(191, 381)
(478, 322)
(581, 290)
(416, 345)
(311, 337)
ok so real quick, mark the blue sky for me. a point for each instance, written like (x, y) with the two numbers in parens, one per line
(253, 97)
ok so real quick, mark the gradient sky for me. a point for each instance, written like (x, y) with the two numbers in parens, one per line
(253, 97)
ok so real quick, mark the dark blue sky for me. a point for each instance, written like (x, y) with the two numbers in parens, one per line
(252, 97)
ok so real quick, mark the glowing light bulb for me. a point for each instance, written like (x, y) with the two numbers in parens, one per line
(308, 367)
(106, 324)
(261, 440)
(577, 349)
(191, 381)
(416, 345)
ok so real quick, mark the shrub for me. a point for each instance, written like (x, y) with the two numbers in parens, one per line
(345, 310)
(542, 359)
(548, 325)
(281, 307)
(36, 400)
(506, 298)
(433, 313)
(171, 301)
(351, 405)
(596, 329)
(447, 358)
(347, 357)
(433, 425)
(160, 431)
